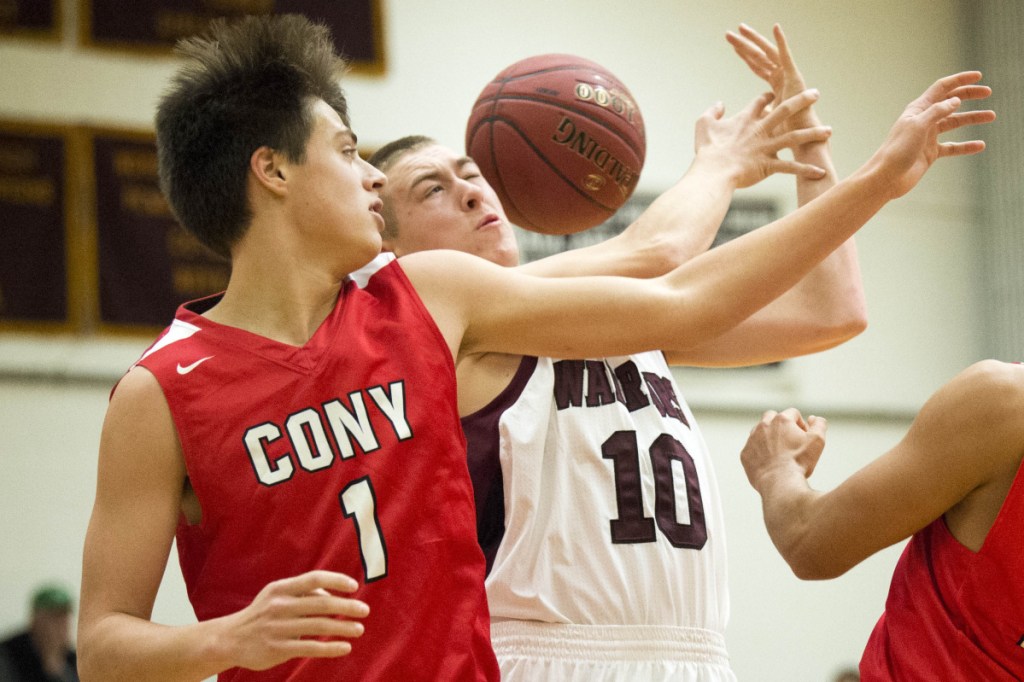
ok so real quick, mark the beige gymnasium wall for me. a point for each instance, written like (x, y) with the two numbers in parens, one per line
(869, 59)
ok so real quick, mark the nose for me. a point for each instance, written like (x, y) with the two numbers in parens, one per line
(472, 195)
(373, 177)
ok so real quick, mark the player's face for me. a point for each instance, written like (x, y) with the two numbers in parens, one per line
(335, 194)
(439, 200)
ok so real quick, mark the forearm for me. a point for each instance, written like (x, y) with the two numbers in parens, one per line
(690, 306)
(793, 518)
(827, 307)
(823, 310)
(817, 153)
(753, 270)
(120, 647)
(683, 222)
(678, 225)
(833, 294)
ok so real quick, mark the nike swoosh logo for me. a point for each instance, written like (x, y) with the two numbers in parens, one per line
(188, 368)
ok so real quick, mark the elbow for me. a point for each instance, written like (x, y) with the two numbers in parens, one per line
(847, 323)
(854, 324)
(814, 561)
(851, 319)
(93, 666)
(815, 570)
(837, 321)
(87, 663)
(835, 332)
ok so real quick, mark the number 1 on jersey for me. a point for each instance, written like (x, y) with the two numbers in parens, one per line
(358, 502)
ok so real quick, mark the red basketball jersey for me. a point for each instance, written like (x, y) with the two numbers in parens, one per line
(344, 454)
(953, 614)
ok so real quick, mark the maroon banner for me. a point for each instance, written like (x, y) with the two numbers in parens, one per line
(355, 24)
(744, 215)
(148, 264)
(30, 17)
(33, 237)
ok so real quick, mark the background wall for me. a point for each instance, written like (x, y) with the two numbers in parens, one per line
(869, 59)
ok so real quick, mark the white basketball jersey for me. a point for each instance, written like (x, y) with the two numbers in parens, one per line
(612, 512)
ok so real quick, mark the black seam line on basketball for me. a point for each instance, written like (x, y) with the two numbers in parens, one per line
(553, 69)
(494, 165)
(526, 98)
(557, 172)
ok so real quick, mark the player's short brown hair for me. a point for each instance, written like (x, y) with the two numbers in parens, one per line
(244, 85)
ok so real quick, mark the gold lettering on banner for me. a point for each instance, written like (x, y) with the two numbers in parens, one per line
(145, 200)
(18, 158)
(31, 191)
(181, 244)
(239, 6)
(171, 25)
(132, 163)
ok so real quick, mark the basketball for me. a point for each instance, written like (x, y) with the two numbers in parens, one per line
(560, 139)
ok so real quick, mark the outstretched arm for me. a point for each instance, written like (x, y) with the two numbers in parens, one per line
(483, 309)
(958, 459)
(138, 502)
(827, 307)
(730, 153)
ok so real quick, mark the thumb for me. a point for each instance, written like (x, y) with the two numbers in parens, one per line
(715, 111)
(817, 426)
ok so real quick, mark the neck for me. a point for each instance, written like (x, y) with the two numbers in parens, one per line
(288, 309)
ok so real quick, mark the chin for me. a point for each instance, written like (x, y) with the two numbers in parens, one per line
(507, 259)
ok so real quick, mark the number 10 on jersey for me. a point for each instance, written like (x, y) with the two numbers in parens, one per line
(632, 526)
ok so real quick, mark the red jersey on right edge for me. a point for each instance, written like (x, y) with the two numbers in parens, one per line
(953, 614)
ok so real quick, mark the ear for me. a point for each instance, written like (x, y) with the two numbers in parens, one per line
(268, 169)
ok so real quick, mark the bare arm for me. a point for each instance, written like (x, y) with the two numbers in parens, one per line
(138, 501)
(730, 153)
(959, 459)
(582, 317)
(827, 307)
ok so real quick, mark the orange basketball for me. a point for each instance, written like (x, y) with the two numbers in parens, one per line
(560, 139)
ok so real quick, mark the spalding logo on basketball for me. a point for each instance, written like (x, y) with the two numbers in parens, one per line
(560, 139)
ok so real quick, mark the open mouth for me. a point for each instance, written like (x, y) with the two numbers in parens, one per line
(489, 219)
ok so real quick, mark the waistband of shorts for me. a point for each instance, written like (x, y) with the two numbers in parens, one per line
(563, 641)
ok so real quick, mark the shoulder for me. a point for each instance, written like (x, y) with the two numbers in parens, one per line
(443, 263)
(982, 410)
(991, 386)
(138, 384)
(447, 277)
(138, 404)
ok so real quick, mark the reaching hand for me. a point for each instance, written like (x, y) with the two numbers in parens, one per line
(749, 141)
(297, 617)
(774, 64)
(912, 144)
(782, 442)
